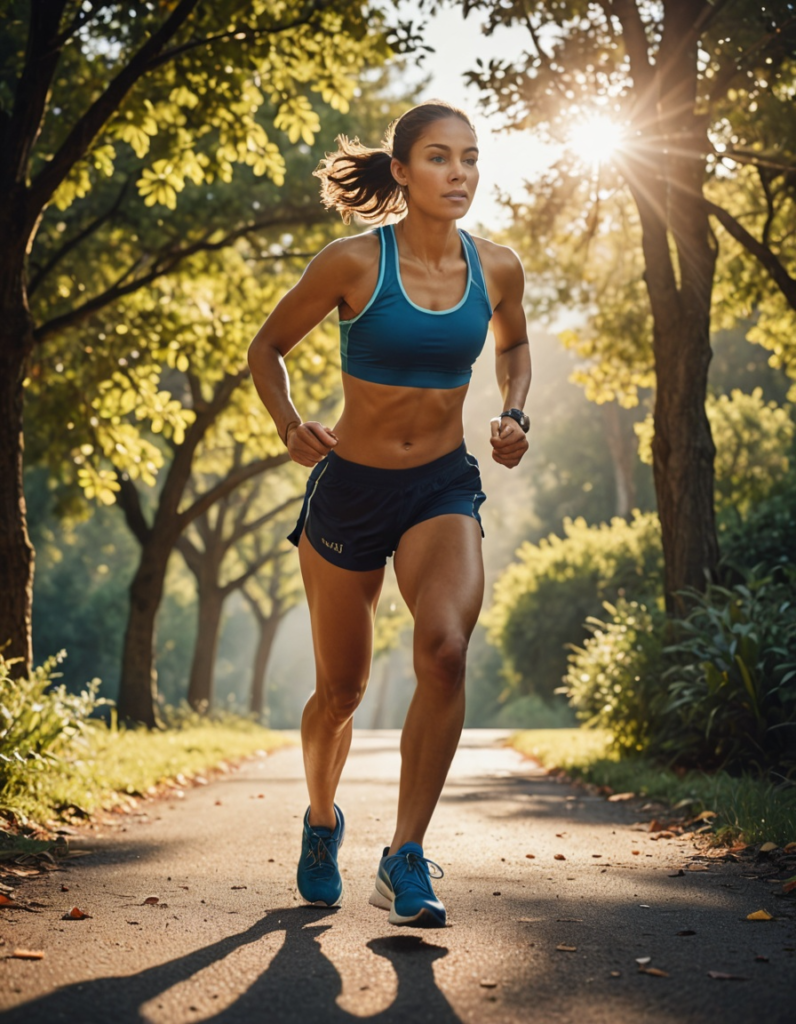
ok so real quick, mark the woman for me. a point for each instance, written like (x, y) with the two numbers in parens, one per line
(393, 476)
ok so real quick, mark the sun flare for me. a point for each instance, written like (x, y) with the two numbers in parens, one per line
(595, 139)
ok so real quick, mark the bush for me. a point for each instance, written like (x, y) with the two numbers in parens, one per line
(732, 689)
(39, 721)
(542, 600)
(765, 539)
(614, 679)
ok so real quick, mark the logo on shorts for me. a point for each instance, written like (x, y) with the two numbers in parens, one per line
(333, 545)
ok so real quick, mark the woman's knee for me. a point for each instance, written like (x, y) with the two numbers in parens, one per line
(440, 661)
(338, 703)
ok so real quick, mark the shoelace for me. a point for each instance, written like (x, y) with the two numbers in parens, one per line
(319, 850)
(413, 861)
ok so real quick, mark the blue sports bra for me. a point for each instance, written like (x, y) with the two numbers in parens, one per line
(394, 341)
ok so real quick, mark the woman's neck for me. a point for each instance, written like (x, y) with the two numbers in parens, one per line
(429, 241)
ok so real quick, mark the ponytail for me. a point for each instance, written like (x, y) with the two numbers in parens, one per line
(358, 180)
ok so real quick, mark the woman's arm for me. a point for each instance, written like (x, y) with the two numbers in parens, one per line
(324, 285)
(512, 352)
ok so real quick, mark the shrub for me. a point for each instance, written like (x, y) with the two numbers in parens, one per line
(39, 721)
(732, 689)
(765, 539)
(542, 600)
(613, 680)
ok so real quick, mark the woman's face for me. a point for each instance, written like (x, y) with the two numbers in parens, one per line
(441, 175)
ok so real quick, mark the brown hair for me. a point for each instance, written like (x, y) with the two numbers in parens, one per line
(358, 180)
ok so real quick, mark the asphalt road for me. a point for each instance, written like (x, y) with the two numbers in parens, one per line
(539, 939)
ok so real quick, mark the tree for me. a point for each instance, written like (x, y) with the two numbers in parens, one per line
(214, 556)
(664, 72)
(181, 85)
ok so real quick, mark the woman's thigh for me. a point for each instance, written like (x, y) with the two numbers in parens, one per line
(342, 604)
(440, 570)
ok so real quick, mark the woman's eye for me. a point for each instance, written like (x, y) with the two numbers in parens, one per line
(438, 159)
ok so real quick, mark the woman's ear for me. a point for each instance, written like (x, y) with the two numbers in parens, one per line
(397, 169)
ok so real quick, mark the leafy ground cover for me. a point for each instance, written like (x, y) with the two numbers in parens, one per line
(734, 809)
(111, 767)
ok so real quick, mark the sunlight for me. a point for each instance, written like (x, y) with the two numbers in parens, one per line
(595, 139)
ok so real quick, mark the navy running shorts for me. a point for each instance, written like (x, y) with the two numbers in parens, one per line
(355, 515)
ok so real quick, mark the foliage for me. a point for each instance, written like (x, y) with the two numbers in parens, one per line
(613, 680)
(746, 808)
(765, 538)
(752, 439)
(732, 688)
(543, 598)
(116, 767)
(39, 723)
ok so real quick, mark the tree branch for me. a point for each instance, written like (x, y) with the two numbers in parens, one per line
(130, 502)
(778, 273)
(165, 263)
(229, 483)
(239, 33)
(254, 524)
(85, 130)
(73, 242)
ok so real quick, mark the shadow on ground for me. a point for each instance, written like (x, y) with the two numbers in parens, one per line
(300, 983)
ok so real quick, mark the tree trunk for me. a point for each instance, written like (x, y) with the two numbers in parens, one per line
(623, 458)
(210, 607)
(16, 344)
(671, 208)
(138, 686)
(265, 643)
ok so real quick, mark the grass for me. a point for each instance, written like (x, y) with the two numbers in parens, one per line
(747, 809)
(108, 767)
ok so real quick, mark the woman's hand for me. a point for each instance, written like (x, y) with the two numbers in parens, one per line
(509, 443)
(308, 443)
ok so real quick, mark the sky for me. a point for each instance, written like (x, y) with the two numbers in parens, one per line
(506, 158)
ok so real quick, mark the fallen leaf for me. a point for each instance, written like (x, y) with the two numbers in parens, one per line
(656, 826)
(616, 797)
(239, 887)
(75, 914)
(705, 816)
(531, 856)
(656, 972)
(641, 960)
(560, 835)
(721, 976)
(789, 885)
(218, 803)
(487, 983)
(596, 855)
(559, 856)
(768, 847)
(64, 888)
(789, 848)
(759, 915)
(150, 901)
(28, 954)
(616, 974)
(636, 853)
(566, 949)
(5, 901)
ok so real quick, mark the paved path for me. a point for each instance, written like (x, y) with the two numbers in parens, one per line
(229, 941)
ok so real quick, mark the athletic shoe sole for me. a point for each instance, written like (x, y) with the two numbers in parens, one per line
(383, 898)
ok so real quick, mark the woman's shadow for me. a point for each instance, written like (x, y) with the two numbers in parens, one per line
(300, 984)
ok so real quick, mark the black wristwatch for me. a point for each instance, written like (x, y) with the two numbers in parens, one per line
(518, 416)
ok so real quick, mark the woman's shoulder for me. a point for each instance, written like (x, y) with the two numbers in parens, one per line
(498, 260)
(353, 253)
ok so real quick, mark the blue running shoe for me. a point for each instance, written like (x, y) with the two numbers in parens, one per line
(403, 886)
(318, 876)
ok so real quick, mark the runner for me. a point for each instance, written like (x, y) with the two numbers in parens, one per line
(393, 476)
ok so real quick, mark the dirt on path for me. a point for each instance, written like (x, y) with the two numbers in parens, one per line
(561, 906)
